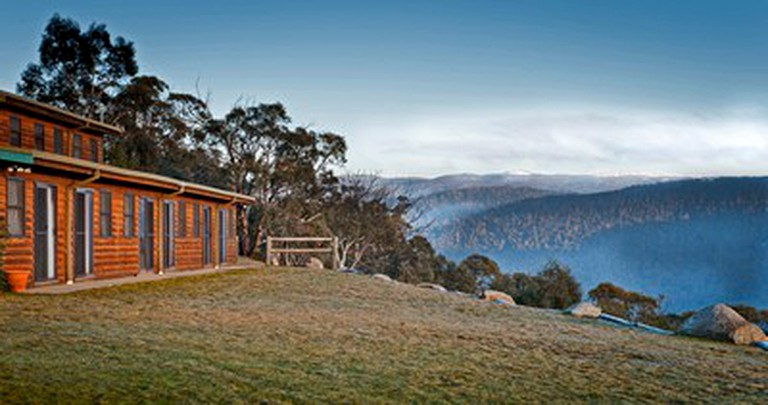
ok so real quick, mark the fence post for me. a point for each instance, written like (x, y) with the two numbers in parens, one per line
(335, 254)
(269, 251)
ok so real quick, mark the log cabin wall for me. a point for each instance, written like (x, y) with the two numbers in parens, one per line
(68, 133)
(116, 255)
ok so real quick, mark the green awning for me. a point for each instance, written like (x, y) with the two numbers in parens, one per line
(16, 157)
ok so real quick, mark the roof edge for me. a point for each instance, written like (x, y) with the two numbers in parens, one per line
(6, 96)
(183, 186)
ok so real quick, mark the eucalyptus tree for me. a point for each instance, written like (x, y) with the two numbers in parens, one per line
(284, 167)
(79, 70)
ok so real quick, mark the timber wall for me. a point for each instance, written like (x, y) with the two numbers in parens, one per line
(28, 135)
(116, 255)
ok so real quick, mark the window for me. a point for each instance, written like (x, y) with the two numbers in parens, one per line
(182, 219)
(15, 207)
(39, 137)
(94, 150)
(16, 132)
(77, 146)
(128, 216)
(196, 221)
(105, 213)
(58, 141)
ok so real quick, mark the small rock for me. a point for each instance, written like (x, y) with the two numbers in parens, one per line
(382, 277)
(498, 296)
(432, 286)
(584, 310)
(315, 263)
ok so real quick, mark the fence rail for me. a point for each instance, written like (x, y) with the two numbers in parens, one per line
(332, 248)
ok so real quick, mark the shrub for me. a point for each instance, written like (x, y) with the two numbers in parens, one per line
(626, 304)
(751, 314)
(553, 287)
(475, 273)
(558, 288)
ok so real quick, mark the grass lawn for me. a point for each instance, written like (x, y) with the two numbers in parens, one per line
(302, 335)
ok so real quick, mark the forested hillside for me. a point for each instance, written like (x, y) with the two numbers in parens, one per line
(693, 241)
(563, 222)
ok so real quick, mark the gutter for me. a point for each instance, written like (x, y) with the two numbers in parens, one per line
(107, 169)
(179, 191)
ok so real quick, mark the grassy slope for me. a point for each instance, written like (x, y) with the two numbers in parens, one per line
(314, 335)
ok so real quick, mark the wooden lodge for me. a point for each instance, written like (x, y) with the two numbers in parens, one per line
(69, 217)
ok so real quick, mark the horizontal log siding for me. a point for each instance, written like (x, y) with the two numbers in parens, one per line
(115, 256)
(189, 250)
(232, 245)
(19, 251)
(28, 135)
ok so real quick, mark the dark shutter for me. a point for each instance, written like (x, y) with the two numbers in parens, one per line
(94, 150)
(196, 221)
(15, 131)
(39, 137)
(41, 233)
(206, 235)
(58, 141)
(77, 146)
(80, 237)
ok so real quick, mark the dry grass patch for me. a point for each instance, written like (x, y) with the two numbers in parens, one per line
(301, 335)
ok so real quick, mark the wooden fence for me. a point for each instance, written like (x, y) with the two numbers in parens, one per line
(280, 246)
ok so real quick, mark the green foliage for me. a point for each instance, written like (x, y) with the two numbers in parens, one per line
(474, 274)
(557, 286)
(553, 287)
(751, 314)
(483, 268)
(79, 70)
(630, 305)
(420, 262)
(460, 278)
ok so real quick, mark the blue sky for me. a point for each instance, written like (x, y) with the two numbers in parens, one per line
(434, 87)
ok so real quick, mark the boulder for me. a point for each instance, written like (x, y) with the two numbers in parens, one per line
(498, 296)
(721, 322)
(432, 286)
(382, 277)
(584, 310)
(315, 263)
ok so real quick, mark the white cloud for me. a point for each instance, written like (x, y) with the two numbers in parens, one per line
(595, 140)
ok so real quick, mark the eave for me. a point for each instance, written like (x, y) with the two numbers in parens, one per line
(81, 167)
